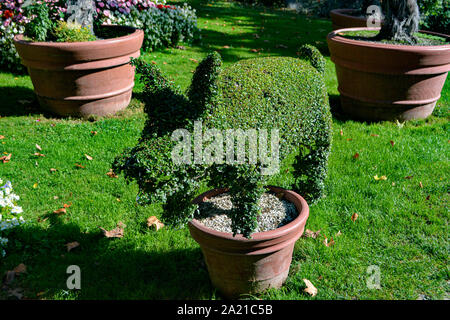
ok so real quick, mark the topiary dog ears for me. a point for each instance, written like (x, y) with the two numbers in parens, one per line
(313, 55)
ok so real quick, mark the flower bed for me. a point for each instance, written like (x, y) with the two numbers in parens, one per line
(164, 25)
(9, 212)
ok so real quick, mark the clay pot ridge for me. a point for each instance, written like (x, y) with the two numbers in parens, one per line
(238, 265)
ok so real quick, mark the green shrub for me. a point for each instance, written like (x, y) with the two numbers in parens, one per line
(41, 25)
(281, 93)
(162, 27)
(64, 32)
(435, 15)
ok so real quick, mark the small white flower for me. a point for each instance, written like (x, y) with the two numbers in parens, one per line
(16, 210)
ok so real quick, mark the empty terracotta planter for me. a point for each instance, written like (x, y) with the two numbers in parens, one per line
(238, 265)
(82, 78)
(385, 81)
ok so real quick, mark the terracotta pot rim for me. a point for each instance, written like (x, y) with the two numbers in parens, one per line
(134, 32)
(298, 200)
(334, 36)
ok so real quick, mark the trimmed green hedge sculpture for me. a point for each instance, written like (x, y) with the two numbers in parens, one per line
(274, 93)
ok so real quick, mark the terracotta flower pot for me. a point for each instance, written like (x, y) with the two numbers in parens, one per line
(82, 78)
(380, 81)
(344, 18)
(238, 265)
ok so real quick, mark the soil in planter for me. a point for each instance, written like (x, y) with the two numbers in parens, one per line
(100, 32)
(368, 35)
(110, 33)
(275, 212)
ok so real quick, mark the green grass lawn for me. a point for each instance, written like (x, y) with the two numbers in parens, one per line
(402, 224)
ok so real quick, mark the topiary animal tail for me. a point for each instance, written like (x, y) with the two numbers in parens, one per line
(313, 55)
(203, 90)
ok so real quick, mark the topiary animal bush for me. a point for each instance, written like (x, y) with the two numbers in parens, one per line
(282, 93)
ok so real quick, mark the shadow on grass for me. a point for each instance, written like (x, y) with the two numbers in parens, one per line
(18, 101)
(274, 32)
(110, 268)
(336, 108)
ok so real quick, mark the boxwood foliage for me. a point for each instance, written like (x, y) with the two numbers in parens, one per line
(281, 93)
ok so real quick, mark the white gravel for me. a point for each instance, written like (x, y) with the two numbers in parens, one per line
(275, 213)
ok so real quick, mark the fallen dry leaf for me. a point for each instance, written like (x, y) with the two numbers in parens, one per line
(392, 143)
(42, 220)
(356, 156)
(374, 135)
(339, 233)
(409, 177)
(65, 205)
(380, 178)
(111, 174)
(53, 170)
(21, 268)
(341, 132)
(38, 147)
(93, 133)
(328, 243)
(35, 185)
(420, 184)
(72, 245)
(226, 47)
(310, 289)
(38, 154)
(154, 223)
(193, 60)
(2, 137)
(114, 233)
(428, 197)
(88, 157)
(79, 166)
(311, 234)
(354, 217)
(60, 211)
(6, 158)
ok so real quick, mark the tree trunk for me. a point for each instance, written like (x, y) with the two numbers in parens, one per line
(401, 20)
